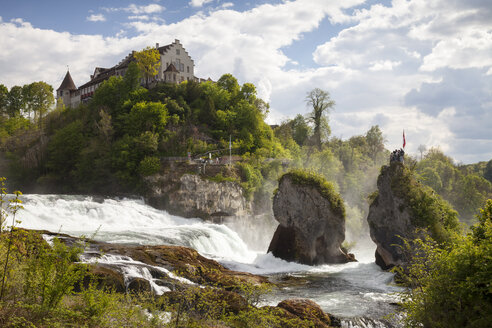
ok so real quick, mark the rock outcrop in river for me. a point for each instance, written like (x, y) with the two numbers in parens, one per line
(312, 220)
(400, 209)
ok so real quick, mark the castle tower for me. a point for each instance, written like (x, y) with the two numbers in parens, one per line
(64, 91)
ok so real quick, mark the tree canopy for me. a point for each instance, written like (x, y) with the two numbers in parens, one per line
(148, 61)
(321, 103)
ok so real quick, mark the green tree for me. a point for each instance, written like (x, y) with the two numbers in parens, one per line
(375, 142)
(147, 116)
(16, 101)
(487, 174)
(300, 130)
(131, 79)
(248, 92)
(148, 61)
(321, 103)
(229, 83)
(39, 98)
(64, 149)
(4, 93)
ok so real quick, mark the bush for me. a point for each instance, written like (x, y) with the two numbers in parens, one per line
(451, 286)
(251, 178)
(149, 165)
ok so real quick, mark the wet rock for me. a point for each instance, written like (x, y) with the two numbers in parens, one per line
(107, 277)
(181, 261)
(307, 310)
(312, 222)
(186, 262)
(139, 285)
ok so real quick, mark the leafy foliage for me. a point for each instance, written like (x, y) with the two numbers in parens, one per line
(429, 210)
(321, 103)
(451, 286)
(325, 188)
(465, 190)
(148, 61)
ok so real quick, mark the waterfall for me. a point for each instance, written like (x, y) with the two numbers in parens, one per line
(358, 292)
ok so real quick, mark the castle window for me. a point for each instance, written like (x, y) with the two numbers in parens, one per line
(177, 51)
(187, 69)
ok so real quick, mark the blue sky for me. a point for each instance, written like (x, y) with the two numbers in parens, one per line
(423, 66)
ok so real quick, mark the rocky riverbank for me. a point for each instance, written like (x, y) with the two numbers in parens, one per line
(173, 271)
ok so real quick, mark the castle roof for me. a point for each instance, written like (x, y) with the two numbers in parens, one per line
(171, 68)
(164, 49)
(67, 83)
(106, 74)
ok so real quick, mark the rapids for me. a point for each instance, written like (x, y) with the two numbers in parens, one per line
(359, 292)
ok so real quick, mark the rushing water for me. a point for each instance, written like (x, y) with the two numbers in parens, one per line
(359, 291)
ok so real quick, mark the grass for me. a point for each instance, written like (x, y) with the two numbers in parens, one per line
(325, 188)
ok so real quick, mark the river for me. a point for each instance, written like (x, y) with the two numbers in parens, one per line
(359, 292)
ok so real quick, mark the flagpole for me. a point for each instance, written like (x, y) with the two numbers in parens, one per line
(230, 150)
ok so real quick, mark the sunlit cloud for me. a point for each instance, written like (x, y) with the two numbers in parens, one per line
(96, 18)
(199, 3)
(422, 66)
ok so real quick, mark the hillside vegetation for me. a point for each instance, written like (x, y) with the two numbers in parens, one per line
(111, 143)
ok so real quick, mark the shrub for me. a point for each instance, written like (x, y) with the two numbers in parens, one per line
(149, 165)
(451, 286)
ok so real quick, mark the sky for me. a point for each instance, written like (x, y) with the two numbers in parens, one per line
(415, 65)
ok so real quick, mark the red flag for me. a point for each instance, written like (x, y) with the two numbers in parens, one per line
(404, 141)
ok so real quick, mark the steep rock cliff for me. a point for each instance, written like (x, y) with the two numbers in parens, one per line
(189, 195)
(312, 221)
(400, 210)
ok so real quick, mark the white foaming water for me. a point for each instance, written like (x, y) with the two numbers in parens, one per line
(135, 269)
(130, 221)
(347, 290)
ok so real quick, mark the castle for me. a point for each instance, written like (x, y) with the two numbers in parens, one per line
(176, 67)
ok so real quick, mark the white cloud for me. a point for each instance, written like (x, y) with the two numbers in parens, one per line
(149, 9)
(138, 10)
(20, 22)
(139, 17)
(396, 50)
(473, 48)
(96, 18)
(383, 65)
(369, 68)
(199, 3)
(225, 5)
